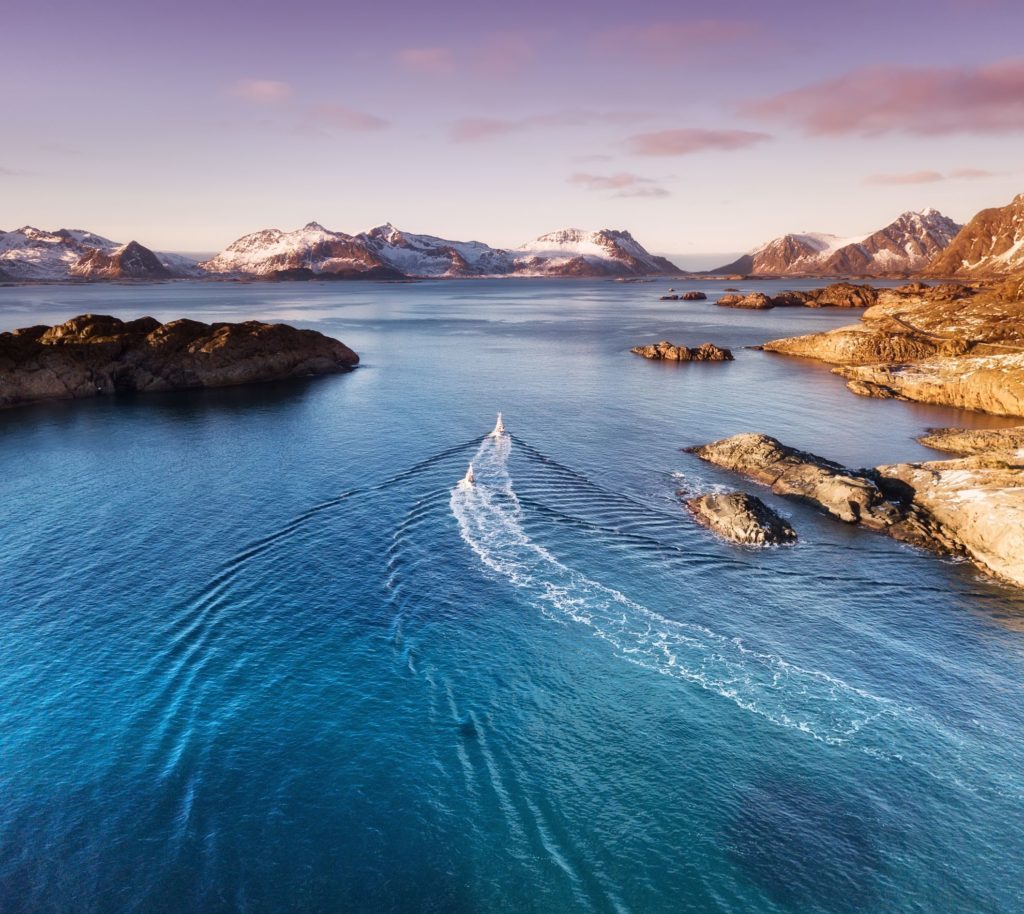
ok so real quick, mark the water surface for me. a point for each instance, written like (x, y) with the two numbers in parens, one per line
(258, 650)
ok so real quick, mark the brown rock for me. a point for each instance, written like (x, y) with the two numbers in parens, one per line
(94, 354)
(972, 507)
(666, 351)
(975, 440)
(756, 301)
(694, 296)
(741, 518)
(851, 496)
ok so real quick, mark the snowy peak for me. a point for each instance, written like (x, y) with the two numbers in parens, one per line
(991, 244)
(576, 252)
(31, 254)
(386, 251)
(903, 246)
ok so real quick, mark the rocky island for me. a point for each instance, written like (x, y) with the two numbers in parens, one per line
(93, 354)
(670, 352)
(741, 518)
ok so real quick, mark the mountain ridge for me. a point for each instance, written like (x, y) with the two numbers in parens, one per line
(904, 246)
(991, 244)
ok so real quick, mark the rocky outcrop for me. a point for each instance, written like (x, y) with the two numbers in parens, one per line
(755, 301)
(972, 506)
(693, 296)
(742, 519)
(669, 352)
(991, 244)
(850, 496)
(974, 440)
(948, 344)
(95, 354)
(992, 383)
(855, 345)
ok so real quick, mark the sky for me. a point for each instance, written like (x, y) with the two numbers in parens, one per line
(699, 127)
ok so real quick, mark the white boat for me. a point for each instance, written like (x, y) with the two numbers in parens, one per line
(469, 479)
(499, 428)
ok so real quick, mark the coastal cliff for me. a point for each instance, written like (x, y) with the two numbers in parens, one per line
(95, 354)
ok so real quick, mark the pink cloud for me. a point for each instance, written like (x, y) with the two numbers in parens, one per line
(688, 140)
(679, 39)
(261, 91)
(475, 129)
(626, 184)
(912, 177)
(971, 173)
(931, 102)
(346, 118)
(433, 61)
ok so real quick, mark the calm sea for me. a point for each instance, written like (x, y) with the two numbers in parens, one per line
(258, 652)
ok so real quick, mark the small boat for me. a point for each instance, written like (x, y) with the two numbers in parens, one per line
(499, 428)
(469, 479)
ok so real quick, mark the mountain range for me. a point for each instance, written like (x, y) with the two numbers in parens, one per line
(923, 243)
(314, 252)
(907, 244)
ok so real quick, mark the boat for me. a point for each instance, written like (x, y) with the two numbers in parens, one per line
(469, 479)
(499, 428)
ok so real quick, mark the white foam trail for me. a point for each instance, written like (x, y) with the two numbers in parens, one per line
(826, 708)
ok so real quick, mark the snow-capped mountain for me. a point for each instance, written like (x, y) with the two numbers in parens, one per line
(33, 254)
(384, 251)
(574, 252)
(991, 244)
(426, 255)
(311, 251)
(904, 246)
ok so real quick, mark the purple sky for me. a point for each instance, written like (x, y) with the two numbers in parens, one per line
(699, 127)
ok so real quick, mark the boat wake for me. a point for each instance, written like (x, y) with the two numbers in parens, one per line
(490, 519)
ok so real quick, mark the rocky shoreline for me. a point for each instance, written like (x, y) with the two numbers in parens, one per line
(92, 355)
(949, 345)
(970, 507)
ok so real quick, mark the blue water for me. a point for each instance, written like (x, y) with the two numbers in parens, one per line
(259, 652)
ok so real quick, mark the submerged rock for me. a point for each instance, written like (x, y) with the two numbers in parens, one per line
(741, 518)
(666, 351)
(96, 354)
(669, 298)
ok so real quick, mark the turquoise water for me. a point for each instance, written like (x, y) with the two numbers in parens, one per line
(259, 652)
